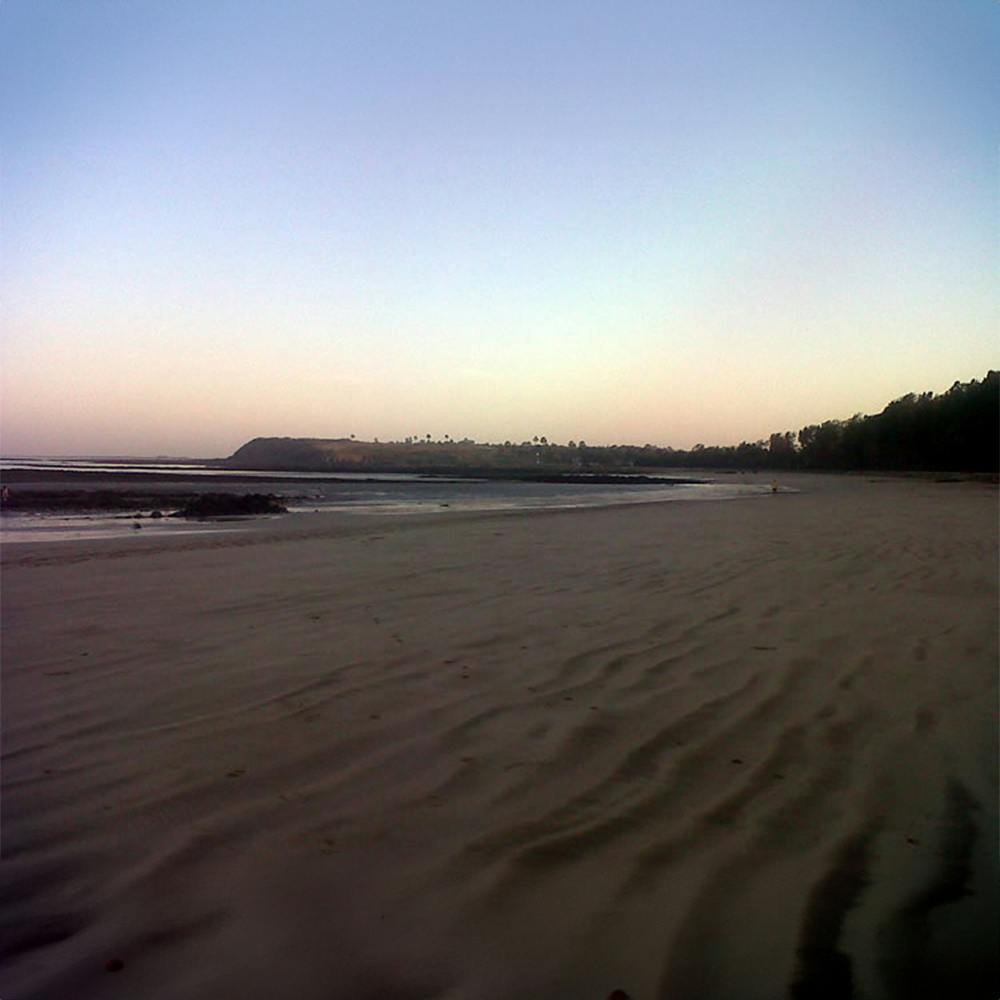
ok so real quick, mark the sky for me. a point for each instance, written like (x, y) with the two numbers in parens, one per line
(672, 222)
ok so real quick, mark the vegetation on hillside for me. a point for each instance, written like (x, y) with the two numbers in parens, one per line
(958, 430)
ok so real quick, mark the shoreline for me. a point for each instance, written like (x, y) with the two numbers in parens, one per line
(89, 492)
(327, 524)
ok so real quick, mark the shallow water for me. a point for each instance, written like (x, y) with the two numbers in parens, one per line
(46, 465)
(432, 497)
(354, 493)
(359, 497)
(40, 527)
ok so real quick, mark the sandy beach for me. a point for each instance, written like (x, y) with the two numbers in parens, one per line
(743, 749)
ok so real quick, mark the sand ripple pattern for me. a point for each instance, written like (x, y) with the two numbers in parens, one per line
(739, 750)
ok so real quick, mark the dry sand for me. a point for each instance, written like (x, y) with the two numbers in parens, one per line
(738, 749)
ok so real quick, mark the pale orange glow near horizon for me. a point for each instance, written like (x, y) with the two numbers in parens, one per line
(300, 223)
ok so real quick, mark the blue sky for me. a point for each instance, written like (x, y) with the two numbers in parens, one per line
(663, 222)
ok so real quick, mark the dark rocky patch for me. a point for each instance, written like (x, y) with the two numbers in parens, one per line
(231, 505)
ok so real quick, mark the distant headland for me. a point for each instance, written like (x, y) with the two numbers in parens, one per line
(955, 431)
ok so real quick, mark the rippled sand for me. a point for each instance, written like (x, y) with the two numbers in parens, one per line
(743, 749)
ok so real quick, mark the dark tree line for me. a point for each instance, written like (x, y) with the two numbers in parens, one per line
(958, 431)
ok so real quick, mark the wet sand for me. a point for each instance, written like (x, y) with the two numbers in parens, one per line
(739, 749)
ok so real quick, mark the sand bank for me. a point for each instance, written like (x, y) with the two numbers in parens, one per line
(743, 749)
